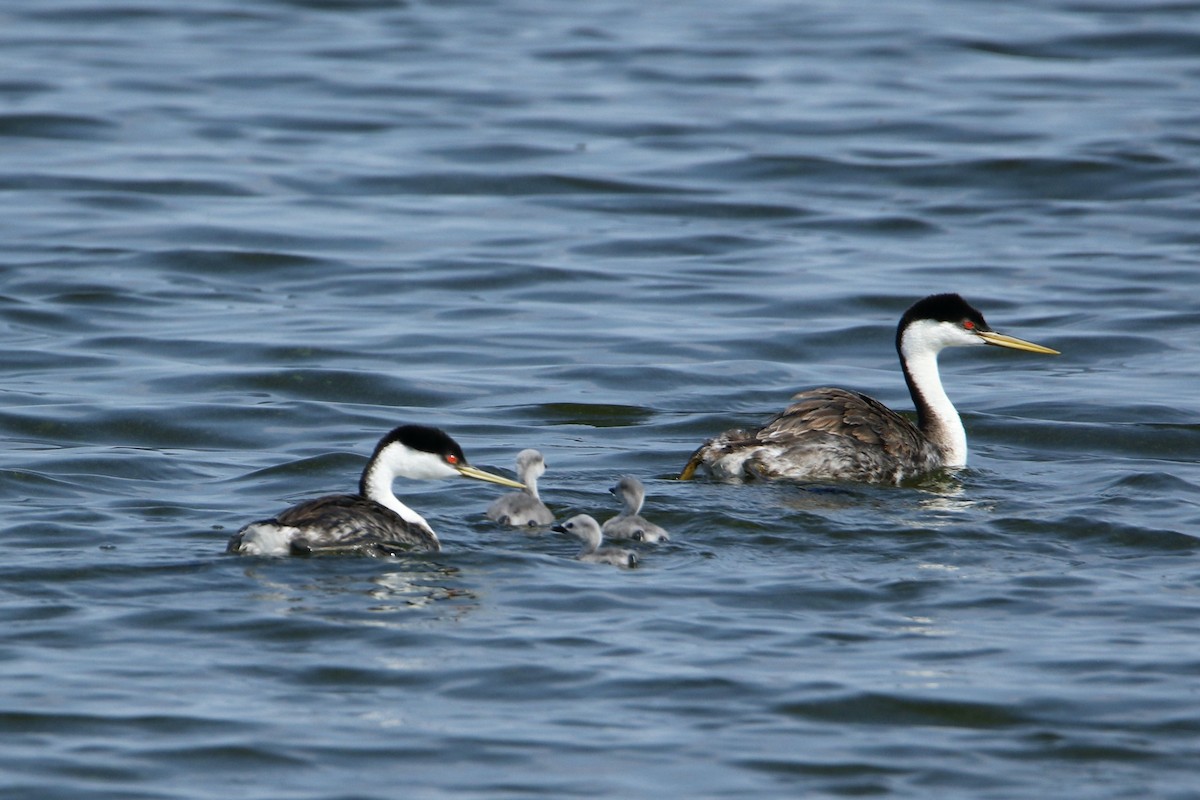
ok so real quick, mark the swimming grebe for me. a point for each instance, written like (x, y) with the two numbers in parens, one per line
(629, 524)
(588, 531)
(373, 521)
(523, 509)
(836, 434)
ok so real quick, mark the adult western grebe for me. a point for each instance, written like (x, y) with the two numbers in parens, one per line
(522, 509)
(588, 531)
(835, 434)
(373, 521)
(629, 524)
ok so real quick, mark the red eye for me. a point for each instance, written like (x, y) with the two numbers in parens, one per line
(968, 324)
(451, 458)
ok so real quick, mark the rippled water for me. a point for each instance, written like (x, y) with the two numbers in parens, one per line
(243, 239)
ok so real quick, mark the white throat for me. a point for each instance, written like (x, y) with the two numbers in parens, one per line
(378, 484)
(940, 421)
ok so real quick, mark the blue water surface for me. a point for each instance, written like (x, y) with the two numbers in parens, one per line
(242, 240)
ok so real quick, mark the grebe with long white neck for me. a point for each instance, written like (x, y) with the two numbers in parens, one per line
(374, 521)
(840, 435)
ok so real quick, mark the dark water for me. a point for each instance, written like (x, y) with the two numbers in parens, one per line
(243, 239)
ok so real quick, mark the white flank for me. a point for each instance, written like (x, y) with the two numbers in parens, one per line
(266, 539)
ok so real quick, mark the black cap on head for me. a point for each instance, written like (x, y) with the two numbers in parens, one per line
(426, 439)
(947, 307)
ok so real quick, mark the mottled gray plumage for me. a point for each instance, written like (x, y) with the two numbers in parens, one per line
(629, 524)
(343, 523)
(835, 434)
(588, 531)
(525, 508)
(825, 434)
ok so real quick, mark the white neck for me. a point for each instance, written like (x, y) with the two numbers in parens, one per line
(938, 418)
(377, 484)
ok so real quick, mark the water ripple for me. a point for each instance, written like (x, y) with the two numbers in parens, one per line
(243, 240)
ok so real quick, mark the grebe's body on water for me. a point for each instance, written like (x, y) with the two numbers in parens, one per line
(630, 524)
(587, 530)
(374, 521)
(523, 509)
(840, 435)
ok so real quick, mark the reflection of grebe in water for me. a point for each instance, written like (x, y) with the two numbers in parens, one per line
(373, 521)
(835, 434)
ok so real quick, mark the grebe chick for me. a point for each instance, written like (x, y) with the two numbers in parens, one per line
(628, 524)
(840, 435)
(588, 531)
(373, 521)
(523, 509)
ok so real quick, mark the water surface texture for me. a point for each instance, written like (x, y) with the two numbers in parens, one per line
(244, 238)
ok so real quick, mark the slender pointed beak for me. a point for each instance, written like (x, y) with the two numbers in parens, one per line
(467, 471)
(1003, 340)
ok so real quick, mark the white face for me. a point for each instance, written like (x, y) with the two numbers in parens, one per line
(931, 336)
(416, 464)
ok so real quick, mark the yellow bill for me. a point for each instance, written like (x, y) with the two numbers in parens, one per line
(467, 471)
(1003, 340)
